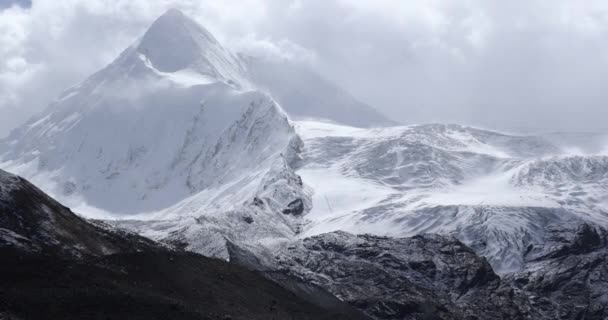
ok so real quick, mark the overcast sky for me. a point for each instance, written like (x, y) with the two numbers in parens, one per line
(498, 64)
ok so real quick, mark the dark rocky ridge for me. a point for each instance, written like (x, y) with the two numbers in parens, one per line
(56, 265)
(566, 277)
(33, 221)
(424, 277)
(436, 277)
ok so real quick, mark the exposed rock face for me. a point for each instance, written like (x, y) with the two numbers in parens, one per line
(423, 277)
(295, 208)
(437, 277)
(567, 277)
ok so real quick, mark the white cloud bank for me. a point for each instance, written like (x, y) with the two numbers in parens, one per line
(505, 64)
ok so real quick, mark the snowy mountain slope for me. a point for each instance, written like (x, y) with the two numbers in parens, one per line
(494, 192)
(176, 44)
(255, 215)
(174, 138)
(169, 131)
(133, 160)
(306, 94)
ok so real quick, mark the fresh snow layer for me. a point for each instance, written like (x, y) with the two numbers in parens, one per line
(336, 197)
(171, 140)
(493, 191)
(319, 129)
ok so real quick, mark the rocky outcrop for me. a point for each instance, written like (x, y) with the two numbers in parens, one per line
(296, 208)
(567, 276)
(423, 277)
(438, 277)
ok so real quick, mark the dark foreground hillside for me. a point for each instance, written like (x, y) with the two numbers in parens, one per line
(159, 285)
(46, 273)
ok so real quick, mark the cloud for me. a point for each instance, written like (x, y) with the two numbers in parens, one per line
(276, 50)
(10, 3)
(503, 64)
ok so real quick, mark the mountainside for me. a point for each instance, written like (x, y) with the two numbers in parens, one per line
(437, 277)
(171, 131)
(566, 276)
(174, 138)
(33, 222)
(147, 138)
(55, 265)
(93, 272)
(305, 94)
(424, 277)
(494, 192)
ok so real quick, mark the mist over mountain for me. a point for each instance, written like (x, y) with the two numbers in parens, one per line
(306, 95)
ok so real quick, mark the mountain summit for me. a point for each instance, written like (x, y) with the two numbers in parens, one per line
(169, 131)
(175, 42)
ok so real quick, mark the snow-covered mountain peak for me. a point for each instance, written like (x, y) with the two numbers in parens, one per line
(174, 42)
(168, 118)
(169, 131)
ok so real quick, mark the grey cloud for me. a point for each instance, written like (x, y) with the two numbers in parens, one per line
(9, 3)
(500, 64)
(508, 64)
